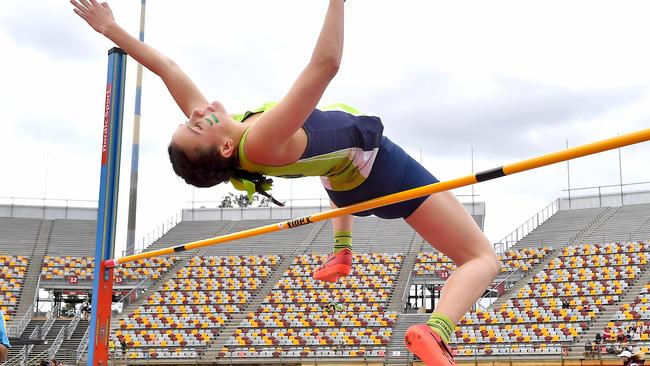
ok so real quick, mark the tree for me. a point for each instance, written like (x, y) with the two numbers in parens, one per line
(242, 200)
(264, 202)
(226, 201)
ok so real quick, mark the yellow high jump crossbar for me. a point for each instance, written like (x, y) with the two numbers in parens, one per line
(528, 164)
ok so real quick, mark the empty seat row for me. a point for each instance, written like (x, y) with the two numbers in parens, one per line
(588, 274)
(536, 315)
(606, 248)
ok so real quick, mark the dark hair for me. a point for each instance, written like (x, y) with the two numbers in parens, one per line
(210, 168)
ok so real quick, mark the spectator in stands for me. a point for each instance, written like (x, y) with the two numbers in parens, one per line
(565, 304)
(124, 348)
(630, 359)
(332, 307)
(620, 335)
(292, 138)
(607, 334)
(329, 307)
(44, 363)
(54, 362)
(85, 311)
(4, 338)
(599, 338)
(589, 350)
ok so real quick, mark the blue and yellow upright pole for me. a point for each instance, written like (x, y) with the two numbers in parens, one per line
(107, 209)
(135, 151)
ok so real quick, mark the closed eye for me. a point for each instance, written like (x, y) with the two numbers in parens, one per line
(193, 126)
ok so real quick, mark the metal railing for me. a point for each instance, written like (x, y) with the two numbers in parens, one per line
(73, 324)
(81, 348)
(58, 341)
(18, 360)
(35, 359)
(126, 299)
(15, 331)
(620, 191)
(467, 353)
(527, 227)
(43, 201)
(494, 288)
(407, 290)
(51, 317)
(37, 333)
(156, 233)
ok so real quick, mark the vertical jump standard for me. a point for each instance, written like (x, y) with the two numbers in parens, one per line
(100, 318)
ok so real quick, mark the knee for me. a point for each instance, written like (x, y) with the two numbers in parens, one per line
(492, 265)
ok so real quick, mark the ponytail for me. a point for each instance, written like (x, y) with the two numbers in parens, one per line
(210, 168)
(253, 182)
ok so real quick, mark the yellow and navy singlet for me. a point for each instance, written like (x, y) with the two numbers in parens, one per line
(342, 145)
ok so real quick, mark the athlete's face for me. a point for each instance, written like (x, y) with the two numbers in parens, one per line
(207, 128)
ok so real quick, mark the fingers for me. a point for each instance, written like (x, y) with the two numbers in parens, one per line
(79, 7)
(85, 3)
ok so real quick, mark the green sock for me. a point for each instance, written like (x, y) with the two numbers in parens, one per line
(342, 240)
(441, 324)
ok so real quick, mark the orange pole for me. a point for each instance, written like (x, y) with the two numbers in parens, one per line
(528, 164)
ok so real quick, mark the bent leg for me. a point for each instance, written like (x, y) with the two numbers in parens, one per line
(339, 263)
(445, 224)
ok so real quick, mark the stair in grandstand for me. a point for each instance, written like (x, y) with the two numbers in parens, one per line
(51, 335)
(33, 275)
(604, 317)
(396, 352)
(29, 329)
(67, 353)
(630, 223)
(563, 226)
(255, 302)
(396, 300)
(583, 236)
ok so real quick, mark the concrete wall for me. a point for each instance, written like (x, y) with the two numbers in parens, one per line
(279, 213)
(48, 212)
(605, 200)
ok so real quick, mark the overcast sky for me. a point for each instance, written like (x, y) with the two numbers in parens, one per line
(508, 79)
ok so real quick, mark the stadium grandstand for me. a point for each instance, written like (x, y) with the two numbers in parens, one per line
(580, 269)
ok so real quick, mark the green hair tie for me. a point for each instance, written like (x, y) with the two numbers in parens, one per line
(245, 185)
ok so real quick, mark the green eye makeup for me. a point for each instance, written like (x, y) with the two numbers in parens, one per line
(214, 119)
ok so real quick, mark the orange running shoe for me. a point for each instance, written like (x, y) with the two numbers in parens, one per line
(422, 341)
(337, 265)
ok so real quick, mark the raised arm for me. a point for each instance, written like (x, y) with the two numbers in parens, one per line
(180, 86)
(273, 130)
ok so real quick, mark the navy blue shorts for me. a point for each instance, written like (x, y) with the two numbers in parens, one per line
(393, 171)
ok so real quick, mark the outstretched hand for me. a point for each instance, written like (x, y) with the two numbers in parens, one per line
(98, 16)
